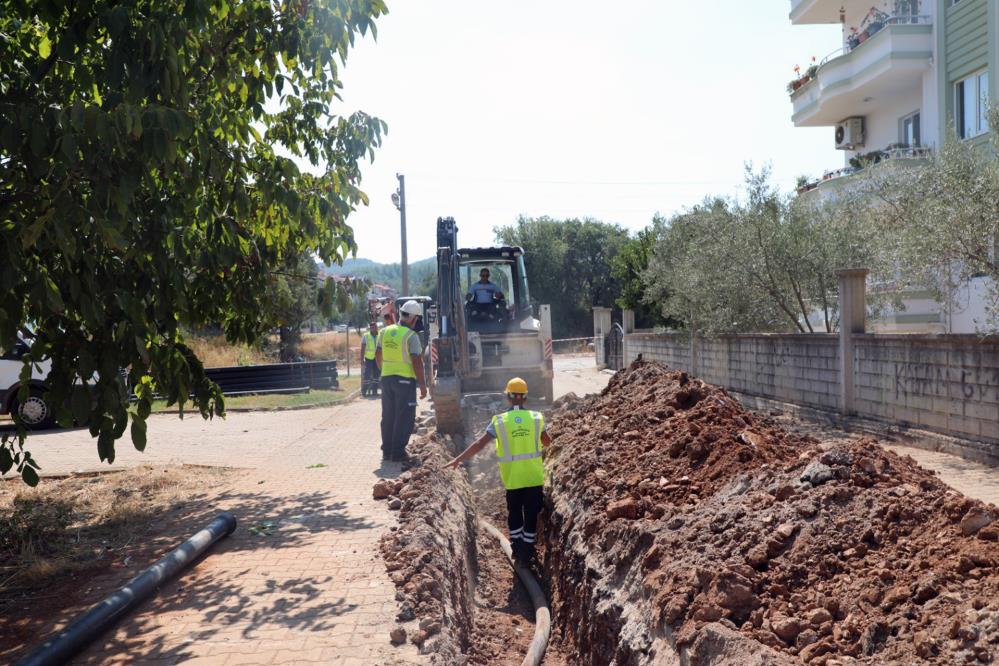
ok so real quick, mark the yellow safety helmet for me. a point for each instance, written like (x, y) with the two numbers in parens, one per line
(516, 385)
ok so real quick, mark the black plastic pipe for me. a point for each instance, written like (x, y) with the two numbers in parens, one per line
(63, 646)
(542, 615)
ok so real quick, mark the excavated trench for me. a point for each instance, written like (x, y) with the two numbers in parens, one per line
(459, 600)
(682, 529)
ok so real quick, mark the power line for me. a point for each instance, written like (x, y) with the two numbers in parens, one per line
(612, 183)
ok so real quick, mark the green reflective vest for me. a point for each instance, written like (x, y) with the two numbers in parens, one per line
(518, 448)
(396, 360)
(369, 344)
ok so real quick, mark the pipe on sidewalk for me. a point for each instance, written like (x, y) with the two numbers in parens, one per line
(542, 616)
(102, 616)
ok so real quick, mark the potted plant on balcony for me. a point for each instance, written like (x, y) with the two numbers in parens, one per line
(853, 40)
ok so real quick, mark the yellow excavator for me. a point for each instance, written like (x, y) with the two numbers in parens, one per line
(481, 342)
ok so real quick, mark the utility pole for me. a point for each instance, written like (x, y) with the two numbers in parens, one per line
(399, 199)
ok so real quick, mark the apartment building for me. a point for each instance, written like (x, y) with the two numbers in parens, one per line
(907, 72)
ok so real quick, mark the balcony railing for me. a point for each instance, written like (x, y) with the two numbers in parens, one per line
(861, 162)
(852, 42)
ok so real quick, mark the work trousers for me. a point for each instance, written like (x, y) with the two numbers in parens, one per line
(369, 373)
(523, 506)
(398, 415)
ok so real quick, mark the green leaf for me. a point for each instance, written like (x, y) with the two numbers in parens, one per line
(6, 460)
(29, 475)
(44, 47)
(105, 445)
(139, 434)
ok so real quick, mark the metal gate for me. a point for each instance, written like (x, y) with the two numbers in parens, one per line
(614, 347)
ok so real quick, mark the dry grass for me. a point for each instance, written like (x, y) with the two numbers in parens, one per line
(329, 345)
(67, 525)
(216, 352)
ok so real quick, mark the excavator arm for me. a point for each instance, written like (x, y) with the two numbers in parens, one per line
(452, 340)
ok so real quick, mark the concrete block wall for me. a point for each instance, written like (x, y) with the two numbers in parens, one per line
(789, 368)
(943, 383)
(673, 349)
(800, 369)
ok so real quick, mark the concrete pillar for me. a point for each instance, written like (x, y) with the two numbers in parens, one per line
(601, 327)
(601, 321)
(628, 321)
(852, 321)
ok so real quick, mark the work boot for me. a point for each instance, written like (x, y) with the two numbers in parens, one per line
(517, 546)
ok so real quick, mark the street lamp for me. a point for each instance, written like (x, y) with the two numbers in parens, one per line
(399, 201)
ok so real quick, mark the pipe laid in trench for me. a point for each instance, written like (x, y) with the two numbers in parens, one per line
(542, 616)
(60, 648)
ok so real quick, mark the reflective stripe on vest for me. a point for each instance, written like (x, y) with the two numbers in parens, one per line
(518, 448)
(369, 345)
(396, 359)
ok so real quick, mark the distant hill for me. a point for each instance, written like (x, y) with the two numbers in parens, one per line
(420, 272)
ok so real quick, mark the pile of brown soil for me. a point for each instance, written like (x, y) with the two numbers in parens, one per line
(430, 555)
(684, 527)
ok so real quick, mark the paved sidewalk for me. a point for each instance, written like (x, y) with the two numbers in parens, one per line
(301, 580)
(975, 480)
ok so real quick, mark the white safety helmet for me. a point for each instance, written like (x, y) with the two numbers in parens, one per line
(411, 308)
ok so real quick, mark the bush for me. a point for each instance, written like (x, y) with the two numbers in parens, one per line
(34, 526)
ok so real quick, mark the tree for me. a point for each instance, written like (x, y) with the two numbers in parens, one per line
(293, 299)
(628, 268)
(148, 182)
(941, 221)
(767, 263)
(568, 266)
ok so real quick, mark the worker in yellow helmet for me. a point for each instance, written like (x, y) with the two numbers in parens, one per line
(520, 439)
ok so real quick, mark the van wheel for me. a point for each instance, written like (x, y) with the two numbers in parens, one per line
(36, 413)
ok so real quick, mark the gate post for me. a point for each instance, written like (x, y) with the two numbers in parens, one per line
(601, 328)
(852, 321)
(628, 321)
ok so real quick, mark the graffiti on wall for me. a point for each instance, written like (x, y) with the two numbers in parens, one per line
(930, 380)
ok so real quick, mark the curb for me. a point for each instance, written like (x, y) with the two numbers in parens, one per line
(243, 410)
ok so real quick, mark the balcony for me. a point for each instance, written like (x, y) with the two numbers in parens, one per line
(815, 11)
(889, 57)
(893, 156)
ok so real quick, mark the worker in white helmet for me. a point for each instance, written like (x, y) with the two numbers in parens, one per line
(399, 356)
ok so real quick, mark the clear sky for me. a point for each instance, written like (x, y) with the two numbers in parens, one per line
(575, 108)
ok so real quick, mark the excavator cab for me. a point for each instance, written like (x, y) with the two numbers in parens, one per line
(494, 284)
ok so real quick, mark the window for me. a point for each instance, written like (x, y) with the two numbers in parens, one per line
(971, 105)
(909, 130)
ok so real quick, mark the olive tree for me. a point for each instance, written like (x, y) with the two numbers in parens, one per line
(765, 262)
(150, 182)
(941, 220)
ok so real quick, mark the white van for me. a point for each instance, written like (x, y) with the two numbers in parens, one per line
(35, 412)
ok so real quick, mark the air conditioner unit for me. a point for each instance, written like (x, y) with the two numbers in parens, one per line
(850, 133)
